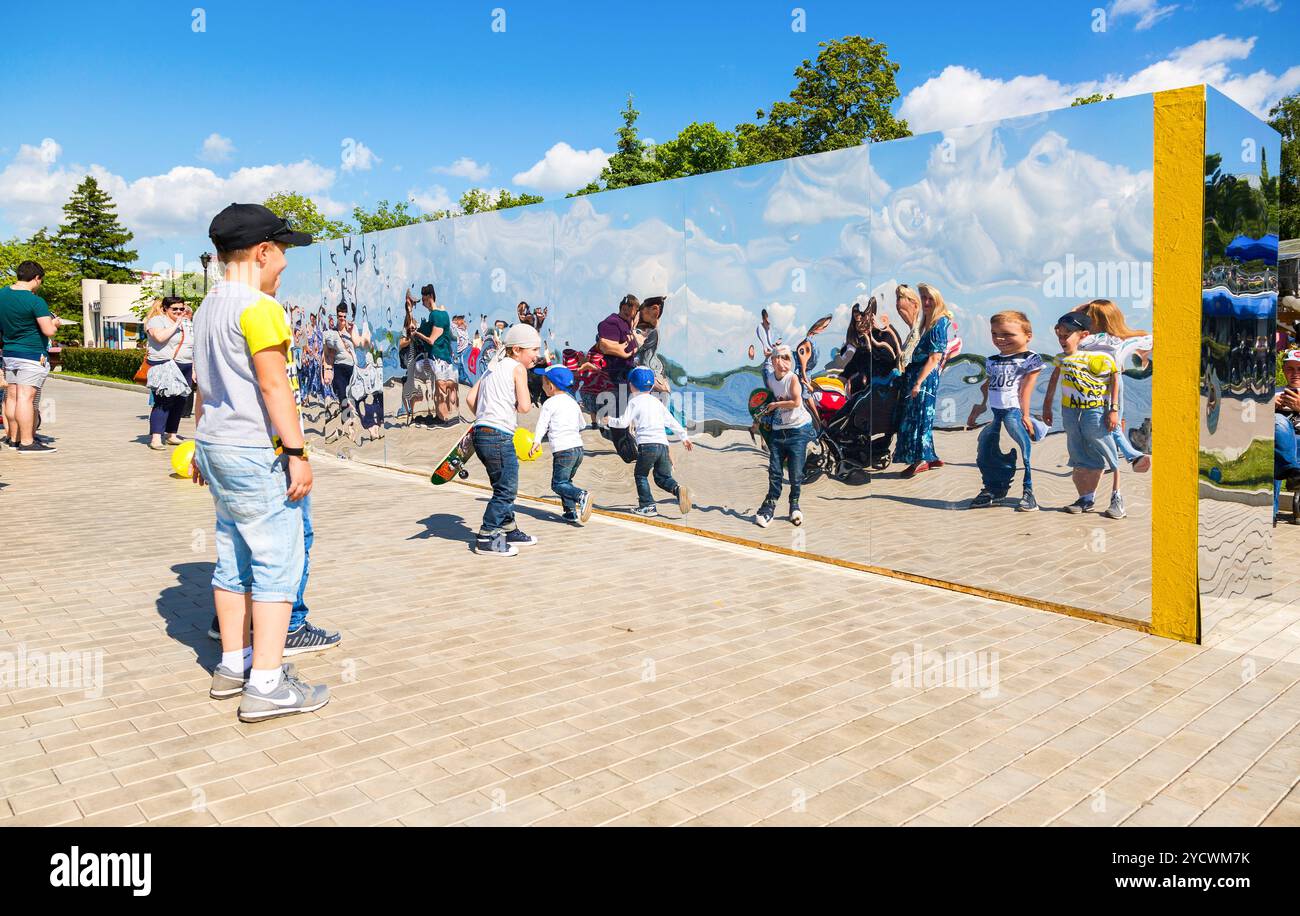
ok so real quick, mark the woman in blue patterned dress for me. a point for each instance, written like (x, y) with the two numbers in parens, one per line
(914, 444)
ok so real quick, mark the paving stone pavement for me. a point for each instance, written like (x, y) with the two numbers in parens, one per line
(618, 674)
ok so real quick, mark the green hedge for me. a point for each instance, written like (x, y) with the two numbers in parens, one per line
(94, 361)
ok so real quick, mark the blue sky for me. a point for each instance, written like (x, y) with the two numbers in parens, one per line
(434, 100)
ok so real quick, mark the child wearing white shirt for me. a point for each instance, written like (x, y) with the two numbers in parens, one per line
(647, 417)
(561, 419)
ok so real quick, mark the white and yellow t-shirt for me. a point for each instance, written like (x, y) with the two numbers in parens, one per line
(234, 322)
(1085, 378)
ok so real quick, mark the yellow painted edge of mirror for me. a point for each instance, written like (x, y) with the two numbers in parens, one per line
(1179, 204)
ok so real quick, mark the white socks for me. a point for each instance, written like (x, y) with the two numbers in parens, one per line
(238, 660)
(265, 681)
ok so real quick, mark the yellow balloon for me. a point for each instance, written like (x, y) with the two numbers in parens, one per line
(182, 455)
(524, 444)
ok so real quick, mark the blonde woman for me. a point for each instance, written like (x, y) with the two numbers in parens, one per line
(914, 444)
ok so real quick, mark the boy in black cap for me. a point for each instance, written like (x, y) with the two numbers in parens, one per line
(251, 453)
(1089, 408)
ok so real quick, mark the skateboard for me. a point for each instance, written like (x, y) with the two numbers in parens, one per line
(758, 400)
(453, 465)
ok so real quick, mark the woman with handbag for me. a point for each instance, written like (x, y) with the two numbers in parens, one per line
(170, 358)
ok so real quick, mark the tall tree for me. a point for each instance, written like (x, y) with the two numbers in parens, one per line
(1285, 119)
(840, 100)
(303, 213)
(631, 164)
(92, 238)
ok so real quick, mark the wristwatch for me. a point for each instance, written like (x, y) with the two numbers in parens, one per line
(295, 452)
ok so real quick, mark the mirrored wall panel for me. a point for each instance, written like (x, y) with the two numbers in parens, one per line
(1239, 368)
(923, 338)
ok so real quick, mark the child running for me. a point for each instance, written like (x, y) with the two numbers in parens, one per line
(1008, 390)
(499, 395)
(647, 417)
(1088, 409)
(561, 419)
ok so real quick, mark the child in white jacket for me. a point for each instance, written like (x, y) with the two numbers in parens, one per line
(561, 419)
(647, 417)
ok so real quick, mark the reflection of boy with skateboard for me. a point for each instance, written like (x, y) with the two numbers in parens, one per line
(561, 419)
(647, 417)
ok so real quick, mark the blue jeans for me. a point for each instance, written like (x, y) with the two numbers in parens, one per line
(788, 448)
(997, 467)
(1286, 449)
(165, 416)
(497, 452)
(298, 616)
(260, 532)
(653, 457)
(564, 464)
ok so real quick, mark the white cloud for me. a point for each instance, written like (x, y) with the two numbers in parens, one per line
(982, 221)
(959, 95)
(431, 199)
(1271, 6)
(563, 168)
(357, 157)
(466, 168)
(217, 148)
(1147, 12)
(34, 187)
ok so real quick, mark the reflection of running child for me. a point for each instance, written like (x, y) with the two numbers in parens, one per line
(561, 419)
(647, 417)
(1088, 409)
(1008, 390)
(499, 395)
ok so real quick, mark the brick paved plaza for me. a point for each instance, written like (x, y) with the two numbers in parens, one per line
(620, 674)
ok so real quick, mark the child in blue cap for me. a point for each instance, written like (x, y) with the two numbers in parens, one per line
(561, 419)
(647, 417)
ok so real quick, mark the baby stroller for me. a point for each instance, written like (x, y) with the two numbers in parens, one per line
(854, 433)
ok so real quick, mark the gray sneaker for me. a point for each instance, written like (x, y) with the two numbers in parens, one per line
(1116, 507)
(227, 684)
(290, 697)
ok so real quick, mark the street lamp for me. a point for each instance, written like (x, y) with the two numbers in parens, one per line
(205, 259)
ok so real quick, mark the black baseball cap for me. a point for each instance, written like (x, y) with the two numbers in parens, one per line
(245, 225)
(1075, 321)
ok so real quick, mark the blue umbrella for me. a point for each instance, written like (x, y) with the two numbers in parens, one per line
(1244, 248)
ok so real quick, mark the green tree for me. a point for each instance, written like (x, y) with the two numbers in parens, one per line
(61, 288)
(92, 238)
(841, 100)
(1089, 99)
(1285, 119)
(477, 200)
(386, 217)
(305, 216)
(631, 164)
(697, 150)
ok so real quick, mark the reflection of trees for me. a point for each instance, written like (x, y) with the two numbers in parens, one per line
(1233, 206)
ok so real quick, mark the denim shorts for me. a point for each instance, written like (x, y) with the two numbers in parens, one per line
(259, 530)
(1088, 441)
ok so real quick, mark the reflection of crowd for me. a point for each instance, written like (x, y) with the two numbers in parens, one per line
(882, 388)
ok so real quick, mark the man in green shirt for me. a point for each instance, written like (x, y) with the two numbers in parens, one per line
(25, 328)
(436, 335)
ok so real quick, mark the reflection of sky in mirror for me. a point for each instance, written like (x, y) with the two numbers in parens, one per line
(1228, 127)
